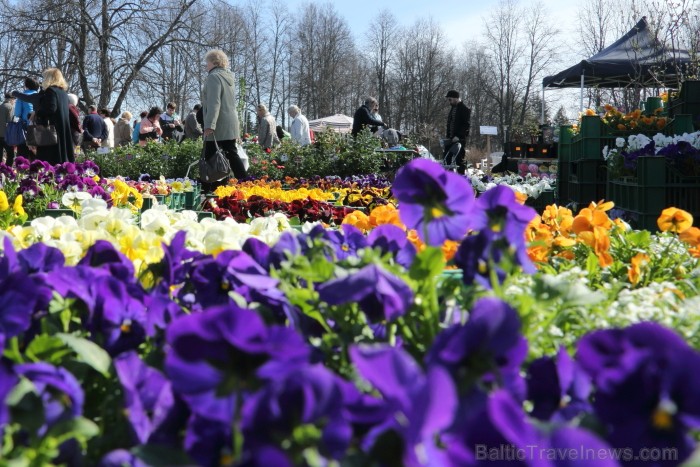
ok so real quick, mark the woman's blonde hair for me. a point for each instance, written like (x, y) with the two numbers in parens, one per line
(217, 57)
(126, 115)
(54, 77)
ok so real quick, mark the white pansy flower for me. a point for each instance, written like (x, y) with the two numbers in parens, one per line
(91, 205)
(154, 220)
(73, 200)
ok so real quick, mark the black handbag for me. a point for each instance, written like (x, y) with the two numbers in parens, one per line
(41, 135)
(214, 168)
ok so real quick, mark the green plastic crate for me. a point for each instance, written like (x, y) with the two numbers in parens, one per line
(584, 148)
(591, 126)
(588, 171)
(690, 91)
(582, 193)
(656, 187)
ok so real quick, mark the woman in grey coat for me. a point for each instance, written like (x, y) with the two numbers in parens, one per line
(219, 112)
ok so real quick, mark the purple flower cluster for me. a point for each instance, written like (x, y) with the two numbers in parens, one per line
(219, 361)
(441, 206)
(37, 178)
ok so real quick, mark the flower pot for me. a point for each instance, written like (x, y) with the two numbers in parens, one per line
(147, 203)
(59, 212)
(204, 214)
(160, 199)
(189, 199)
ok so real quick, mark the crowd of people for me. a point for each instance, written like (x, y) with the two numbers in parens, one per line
(52, 128)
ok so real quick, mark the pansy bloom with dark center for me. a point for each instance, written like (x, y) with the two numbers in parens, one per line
(437, 203)
(380, 295)
(646, 384)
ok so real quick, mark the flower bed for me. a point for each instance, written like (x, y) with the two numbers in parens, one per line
(328, 345)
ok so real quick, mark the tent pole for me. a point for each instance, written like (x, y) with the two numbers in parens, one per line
(582, 80)
(542, 118)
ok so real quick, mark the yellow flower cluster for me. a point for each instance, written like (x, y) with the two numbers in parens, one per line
(272, 192)
(125, 196)
(11, 216)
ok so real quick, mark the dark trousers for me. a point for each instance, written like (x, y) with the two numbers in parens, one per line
(461, 163)
(229, 149)
(9, 152)
(23, 150)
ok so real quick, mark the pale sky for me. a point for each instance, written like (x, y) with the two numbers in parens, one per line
(462, 20)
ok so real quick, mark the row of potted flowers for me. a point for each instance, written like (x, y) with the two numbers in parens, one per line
(338, 345)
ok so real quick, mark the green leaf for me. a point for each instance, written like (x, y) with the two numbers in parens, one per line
(161, 456)
(91, 353)
(592, 266)
(79, 428)
(45, 348)
(294, 220)
(428, 263)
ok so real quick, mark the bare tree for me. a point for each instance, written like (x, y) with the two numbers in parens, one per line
(380, 40)
(102, 46)
(540, 40)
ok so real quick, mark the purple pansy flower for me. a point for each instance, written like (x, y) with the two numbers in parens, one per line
(418, 406)
(392, 239)
(119, 315)
(203, 348)
(60, 393)
(495, 429)
(103, 255)
(346, 241)
(296, 394)
(258, 250)
(646, 387)
(500, 213)
(489, 346)
(121, 458)
(557, 387)
(379, 294)
(148, 398)
(437, 203)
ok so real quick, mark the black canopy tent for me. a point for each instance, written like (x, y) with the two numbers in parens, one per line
(635, 59)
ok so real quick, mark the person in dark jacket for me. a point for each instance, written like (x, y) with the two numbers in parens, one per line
(458, 122)
(94, 129)
(363, 117)
(52, 109)
(7, 110)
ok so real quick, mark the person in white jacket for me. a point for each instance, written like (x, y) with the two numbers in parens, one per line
(109, 123)
(299, 127)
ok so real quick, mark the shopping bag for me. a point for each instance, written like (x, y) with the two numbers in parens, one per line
(242, 155)
(15, 133)
(214, 168)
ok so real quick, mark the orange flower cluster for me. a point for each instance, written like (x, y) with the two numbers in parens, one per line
(557, 231)
(389, 214)
(633, 121)
(681, 222)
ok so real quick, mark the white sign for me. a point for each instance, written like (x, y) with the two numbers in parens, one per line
(488, 130)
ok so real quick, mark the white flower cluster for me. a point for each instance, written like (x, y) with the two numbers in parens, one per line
(529, 185)
(142, 244)
(636, 142)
